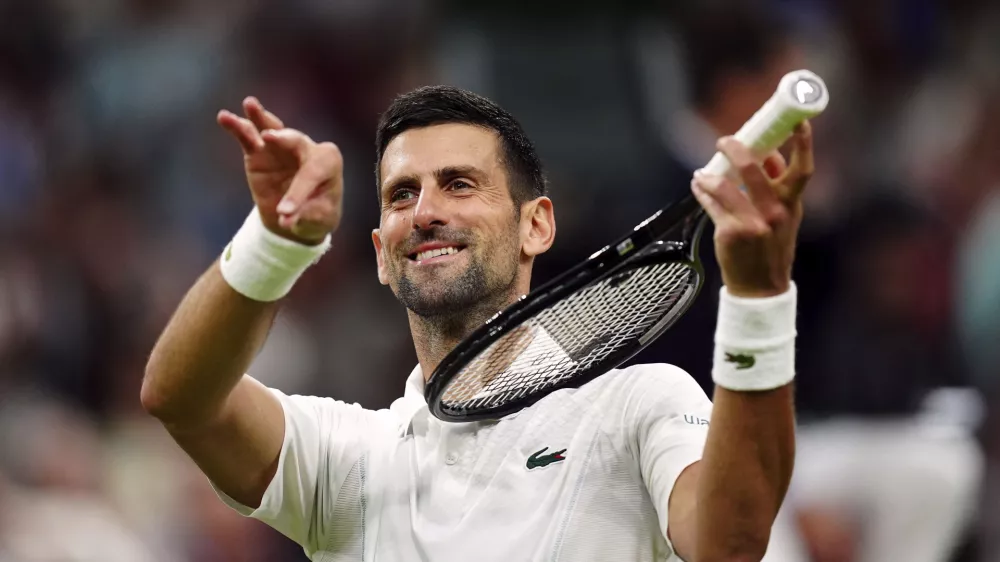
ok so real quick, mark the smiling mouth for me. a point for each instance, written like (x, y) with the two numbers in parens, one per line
(435, 253)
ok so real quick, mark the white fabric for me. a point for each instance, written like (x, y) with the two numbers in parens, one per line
(406, 486)
(755, 341)
(263, 266)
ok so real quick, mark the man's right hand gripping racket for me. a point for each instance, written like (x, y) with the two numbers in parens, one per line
(600, 313)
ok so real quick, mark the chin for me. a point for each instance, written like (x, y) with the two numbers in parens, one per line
(448, 288)
(436, 307)
(435, 298)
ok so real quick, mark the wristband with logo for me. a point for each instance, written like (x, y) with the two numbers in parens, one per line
(755, 341)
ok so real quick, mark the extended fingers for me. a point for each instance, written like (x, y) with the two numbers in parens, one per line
(260, 117)
(242, 129)
(248, 130)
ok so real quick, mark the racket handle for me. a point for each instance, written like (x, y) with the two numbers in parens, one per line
(800, 95)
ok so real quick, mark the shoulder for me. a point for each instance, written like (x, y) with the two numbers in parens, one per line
(643, 400)
(330, 416)
(661, 384)
(643, 394)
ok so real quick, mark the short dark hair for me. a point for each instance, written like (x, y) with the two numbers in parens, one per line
(436, 105)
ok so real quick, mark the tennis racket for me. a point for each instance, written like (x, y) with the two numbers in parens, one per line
(603, 311)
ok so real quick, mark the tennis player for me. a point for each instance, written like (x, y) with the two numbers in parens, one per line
(636, 465)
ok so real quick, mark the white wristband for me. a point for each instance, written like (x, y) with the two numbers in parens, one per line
(755, 341)
(263, 266)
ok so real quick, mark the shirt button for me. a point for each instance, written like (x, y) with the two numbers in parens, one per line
(452, 458)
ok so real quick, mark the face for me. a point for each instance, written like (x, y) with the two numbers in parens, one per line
(450, 237)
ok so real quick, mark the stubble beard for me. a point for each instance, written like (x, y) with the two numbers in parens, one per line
(471, 289)
(455, 306)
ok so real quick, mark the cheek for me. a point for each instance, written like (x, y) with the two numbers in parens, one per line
(394, 231)
(508, 243)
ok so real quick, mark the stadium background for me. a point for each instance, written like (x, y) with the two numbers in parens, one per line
(117, 189)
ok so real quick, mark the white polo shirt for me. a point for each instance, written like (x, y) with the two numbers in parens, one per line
(582, 475)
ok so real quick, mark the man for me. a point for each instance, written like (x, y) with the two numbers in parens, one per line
(626, 467)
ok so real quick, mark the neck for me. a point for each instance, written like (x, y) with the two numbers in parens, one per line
(435, 336)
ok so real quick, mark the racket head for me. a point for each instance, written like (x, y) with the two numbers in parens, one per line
(578, 326)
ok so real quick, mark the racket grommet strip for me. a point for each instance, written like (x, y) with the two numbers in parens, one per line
(755, 341)
(263, 266)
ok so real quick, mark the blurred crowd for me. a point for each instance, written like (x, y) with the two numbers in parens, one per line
(117, 189)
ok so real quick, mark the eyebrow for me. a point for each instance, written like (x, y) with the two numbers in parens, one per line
(449, 172)
(442, 175)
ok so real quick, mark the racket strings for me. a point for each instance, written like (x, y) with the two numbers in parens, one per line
(571, 336)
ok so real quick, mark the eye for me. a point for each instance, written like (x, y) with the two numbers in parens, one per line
(401, 194)
(460, 184)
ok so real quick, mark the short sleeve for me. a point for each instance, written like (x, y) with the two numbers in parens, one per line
(669, 415)
(324, 439)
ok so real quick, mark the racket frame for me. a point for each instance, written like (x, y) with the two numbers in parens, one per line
(647, 244)
(671, 235)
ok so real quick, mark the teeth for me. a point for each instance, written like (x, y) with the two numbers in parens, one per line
(435, 253)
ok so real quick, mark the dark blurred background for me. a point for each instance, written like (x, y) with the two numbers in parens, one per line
(117, 189)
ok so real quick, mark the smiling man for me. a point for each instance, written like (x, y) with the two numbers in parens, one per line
(627, 467)
(464, 213)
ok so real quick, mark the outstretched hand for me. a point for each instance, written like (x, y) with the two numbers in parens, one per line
(756, 229)
(296, 183)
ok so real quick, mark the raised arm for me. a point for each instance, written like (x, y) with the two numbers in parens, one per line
(722, 508)
(230, 424)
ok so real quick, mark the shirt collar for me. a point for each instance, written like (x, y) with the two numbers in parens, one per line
(412, 402)
(415, 384)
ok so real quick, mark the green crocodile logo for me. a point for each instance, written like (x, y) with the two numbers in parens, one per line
(538, 460)
(742, 361)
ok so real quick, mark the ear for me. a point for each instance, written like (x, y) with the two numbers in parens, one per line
(383, 276)
(538, 226)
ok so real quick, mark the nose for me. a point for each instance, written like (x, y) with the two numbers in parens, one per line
(430, 210)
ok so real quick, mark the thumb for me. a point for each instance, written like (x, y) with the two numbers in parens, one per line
(323, 170)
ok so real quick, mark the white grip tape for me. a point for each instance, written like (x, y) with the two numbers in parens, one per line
(800, 95)
(755, 341)
(263, 266)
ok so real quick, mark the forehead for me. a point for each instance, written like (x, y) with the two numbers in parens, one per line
(422, 151)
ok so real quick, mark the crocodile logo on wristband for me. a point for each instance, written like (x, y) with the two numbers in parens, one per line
(742, 361)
